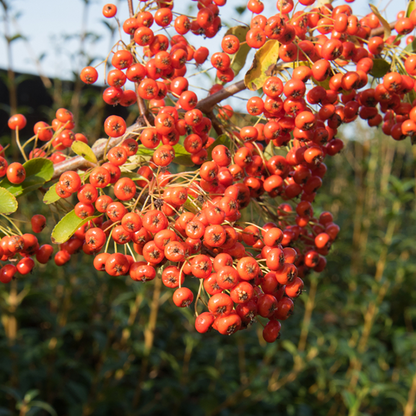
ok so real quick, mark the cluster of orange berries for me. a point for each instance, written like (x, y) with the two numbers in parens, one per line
(19, 250)
(189, 225)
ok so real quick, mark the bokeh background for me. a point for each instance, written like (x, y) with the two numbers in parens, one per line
(74, 342)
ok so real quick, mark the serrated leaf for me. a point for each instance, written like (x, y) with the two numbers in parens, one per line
(411, 5)
(238, 60)
(223, 139)
(380, 68)
(66, 228)
(38, 171)
(82, 149)
(383, 21)
(51, 196)
(264, 65)
(8, 203)
(182, 157)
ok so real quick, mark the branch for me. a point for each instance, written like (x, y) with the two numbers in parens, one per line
(380, 30)
(207, 104)
(78, 162)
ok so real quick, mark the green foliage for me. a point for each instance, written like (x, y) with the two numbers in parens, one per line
(238, 60)
(67, 226)
(51, 196)
(89, 344)
(38, 172)
(264, 64)
(380, 68)
(8, 202)
(83, 150)
(182, 157)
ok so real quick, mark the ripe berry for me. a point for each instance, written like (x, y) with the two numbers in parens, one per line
(16, 173)
(38, 223)
(182, 297)
(109, 10)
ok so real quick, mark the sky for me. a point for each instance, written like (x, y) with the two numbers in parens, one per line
(51, 29)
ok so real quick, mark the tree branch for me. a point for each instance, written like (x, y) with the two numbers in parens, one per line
(207, 104)
(78, 162)
(380, 30)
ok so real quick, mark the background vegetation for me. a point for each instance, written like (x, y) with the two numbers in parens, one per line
(75, 342)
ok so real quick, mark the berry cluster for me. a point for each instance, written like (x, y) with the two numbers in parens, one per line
(18, 249)
(191, 225)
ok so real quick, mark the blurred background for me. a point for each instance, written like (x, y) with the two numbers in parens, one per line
(74, 342)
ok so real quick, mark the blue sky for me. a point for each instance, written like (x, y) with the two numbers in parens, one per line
(50, 26)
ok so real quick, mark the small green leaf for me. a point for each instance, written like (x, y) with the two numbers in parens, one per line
(290, 347)
(51, 196)
(380, 68)
(238, 60)
(45, 406)
(223, 139)
(133, 176)
(66, 228)
(82, 149)
(264, 65)
(324, 84)
(144, 151)
(30, 395)
(8, 203)
(38, 171)
(383, 21)
(411, 47)
(182, 157)
(410, 7)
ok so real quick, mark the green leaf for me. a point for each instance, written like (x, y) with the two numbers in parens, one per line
(133, 176)
(411, 47)
(82, 149)
(410, 7)
(264, 65)
(51, 196)
(45, 406)
(8, 203)
(182, 157)
(380, 68)
(38, 171)
(31, 394)
(223, 139)
(290, 347)
(144, 151)
(324, 84)
(349, 399)
(383, 21)
(66, 228)
(268, 151)
(238, 60)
